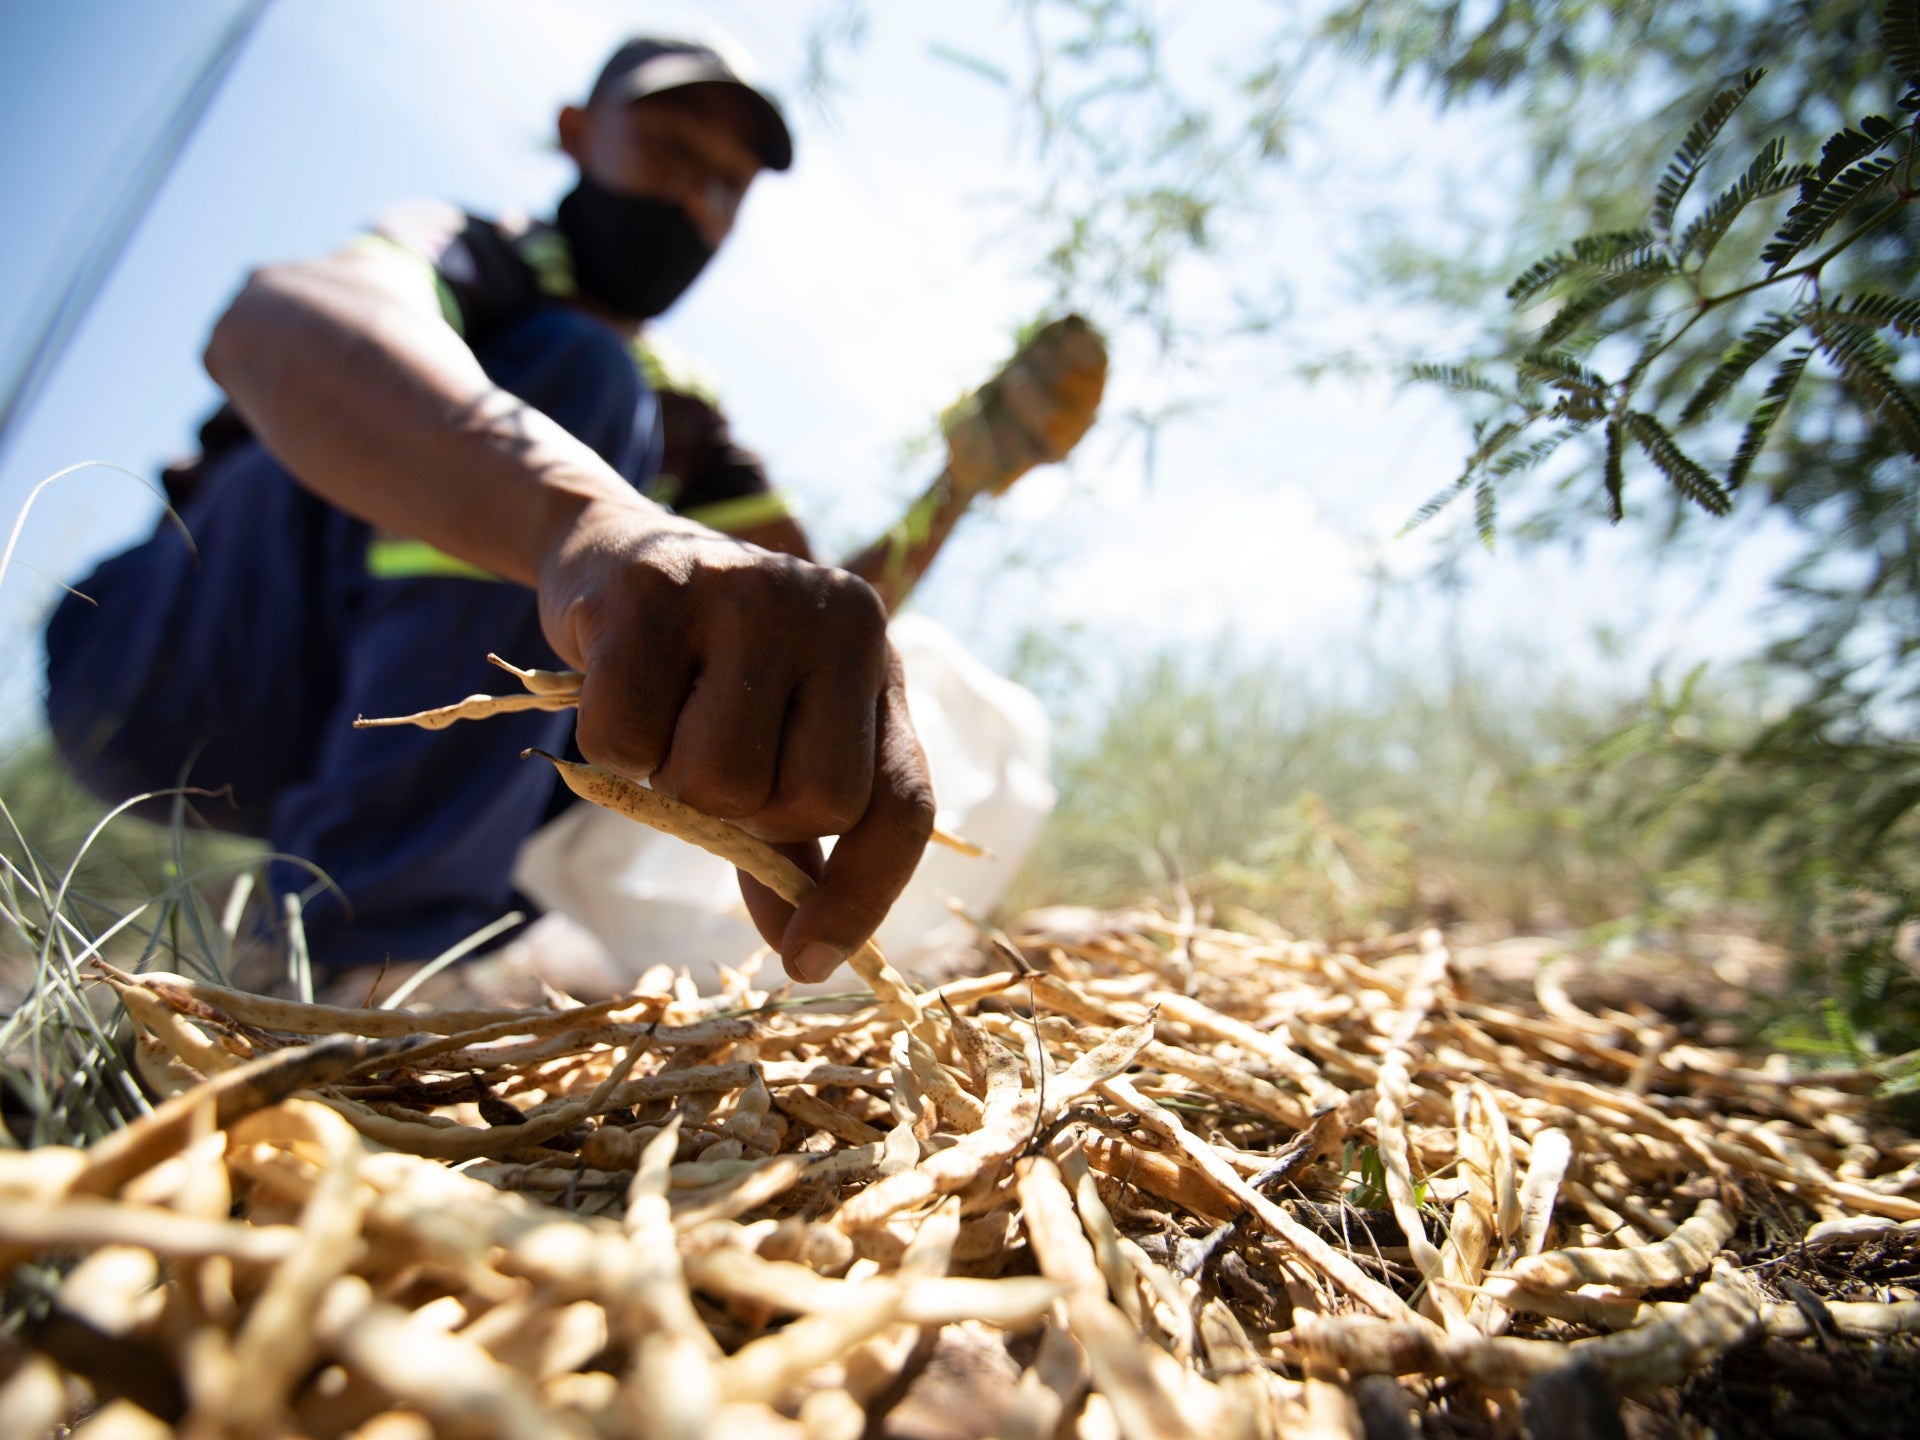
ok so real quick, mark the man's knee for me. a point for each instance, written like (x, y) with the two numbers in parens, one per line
(201, 656)
(99, 649)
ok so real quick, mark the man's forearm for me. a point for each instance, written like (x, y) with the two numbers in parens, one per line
(379, 408)
(894, 563)
(758, 688)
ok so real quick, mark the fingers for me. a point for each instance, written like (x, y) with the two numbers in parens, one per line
(759, 689)
(770, 914)
(1028, 415)
(635, 685)
(1055, 386)
(777, 732)
(1035, 410)
(1053, 390)
(872, 862)
(1075, 360)
(726, 742)
(827, 751)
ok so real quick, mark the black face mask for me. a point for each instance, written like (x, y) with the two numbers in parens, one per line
(632, 254)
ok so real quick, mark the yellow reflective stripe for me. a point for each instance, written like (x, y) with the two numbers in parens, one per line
(551, 260)
(664, 489)
(443, 292)
(651, 369)
(449, 305)
(744, 513)
(914, 530)
(664, 366)
(409, 559)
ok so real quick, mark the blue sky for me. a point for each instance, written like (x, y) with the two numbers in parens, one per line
(859, 295)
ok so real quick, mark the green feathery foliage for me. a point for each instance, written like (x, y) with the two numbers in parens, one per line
(1788, 327)
(1466, 381)
(1563, 372)
(1684, 168)
(1867, 364)
(1901, 29)
(1686, 474)
(1901, 314)
(1741, 357)
(1773, 402)
(1823, 204)
(1763, 177)
(1857, 185)
(1485, 510)
(1613, 472)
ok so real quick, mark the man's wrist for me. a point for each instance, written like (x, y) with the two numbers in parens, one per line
(573, 503)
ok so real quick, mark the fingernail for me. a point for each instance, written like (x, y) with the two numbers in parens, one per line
(815, 962)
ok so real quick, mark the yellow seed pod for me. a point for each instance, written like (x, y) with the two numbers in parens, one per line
(729, 1149)
(611, 1148)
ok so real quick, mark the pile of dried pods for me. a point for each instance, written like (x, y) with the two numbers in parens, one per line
(1153, 1180)
(1167, 1183)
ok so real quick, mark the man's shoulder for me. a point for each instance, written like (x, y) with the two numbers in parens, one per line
(490, 267)
(669, 366)
(429, 228)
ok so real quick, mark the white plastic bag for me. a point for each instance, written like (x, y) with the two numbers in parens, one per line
(648, 899)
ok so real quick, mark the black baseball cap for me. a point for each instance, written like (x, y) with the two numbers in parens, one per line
(648, 65)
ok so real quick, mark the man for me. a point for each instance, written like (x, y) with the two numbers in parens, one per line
(452, 405)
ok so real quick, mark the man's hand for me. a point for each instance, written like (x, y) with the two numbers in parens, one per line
(1031, 413)
(758, 688)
